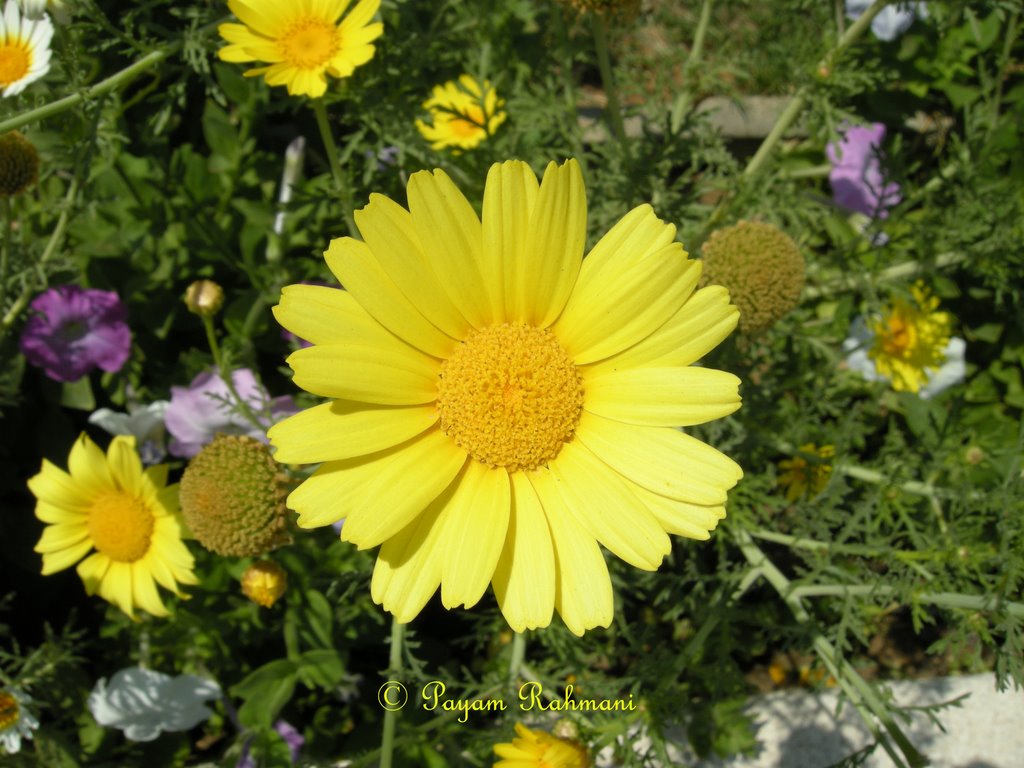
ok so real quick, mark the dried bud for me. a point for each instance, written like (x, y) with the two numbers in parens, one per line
(264, 582)
(204, 298)
(974, 455)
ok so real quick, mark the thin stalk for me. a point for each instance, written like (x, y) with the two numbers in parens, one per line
(387, 743)
(863, 697)
(130, 72)
(518, 655)
(941, 599)
(604, 64)
(698, 37)
(1001, 73)
(894, 273)
(813, 172)
(5, 247)
(225, 374)
(682, 105)
(340, 187)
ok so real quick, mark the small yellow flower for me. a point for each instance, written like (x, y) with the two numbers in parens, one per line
(799, 477)
(463, 114)
(301, 40)
(264, 582)
(910, 340)
(127, 514)
(537, 749)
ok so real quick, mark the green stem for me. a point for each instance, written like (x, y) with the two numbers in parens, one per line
(957, 600)
(681, 106)
(148, 61)
(863, 697)
(898, 272)
(225, 374)
(813, 172)
(518, 655)
(604, 64)
(340, 187)
(387, 743)
(5, 247)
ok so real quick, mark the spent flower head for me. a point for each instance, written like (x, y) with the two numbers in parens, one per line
(120, 517)
(502, 407)
(233, 497)
(462, 114)
(302, 43)
(762, 268)
(19, 164)
(71, 330)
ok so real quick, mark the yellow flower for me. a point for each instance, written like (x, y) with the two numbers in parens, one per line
(910, 340)
(24, 49)
(799, 477)
(463, 114)
(537, 749)
(264, 582)
(127, 514)
(301, 40)
(504, 407)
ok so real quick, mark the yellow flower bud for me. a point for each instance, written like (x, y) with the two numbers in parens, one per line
(264, 582)
(204, 298)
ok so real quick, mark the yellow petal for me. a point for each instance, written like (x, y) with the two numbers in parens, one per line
(661, 397)
(408, 568)
(359, 16)
(699, 326)
(116, 587)
(509, 198)
(88, 466)
(57, 488)
(92, 570)
(524, 580)
(50, 513)
(604, 507)
(385, 374)
(65, 558)
(624, 303)
(476, 519)
(62, 536)
(324, 315)
(343, 429)
(662, 459)
(452, 241)
(378, 495)
(681, 518)
(125, 464)
(144, 590)
(389, 232)
(555, 240)
(268, 19)
(357, 268)
(583, 589)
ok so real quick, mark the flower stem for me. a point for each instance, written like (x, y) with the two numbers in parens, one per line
(225, 374)
(340, 187)
(515, 663)
(387, 744)
(5, 247)
(604, 64)
(681, 106)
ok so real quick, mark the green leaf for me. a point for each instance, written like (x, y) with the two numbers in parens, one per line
(266, 690)
(78, 395)
(321, 668)
(320, 618)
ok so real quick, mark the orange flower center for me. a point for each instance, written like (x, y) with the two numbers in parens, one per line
(510, 396)
(120, 526)
(898, 335)
(468, 125)
(309, 43)
(15, 61)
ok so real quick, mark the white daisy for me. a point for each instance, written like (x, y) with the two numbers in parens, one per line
(16, 722)
(24, 49)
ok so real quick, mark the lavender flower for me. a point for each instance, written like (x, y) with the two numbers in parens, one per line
(892, 21)
(291, 737)
(73, 330)
(856, 176)
(205, 407)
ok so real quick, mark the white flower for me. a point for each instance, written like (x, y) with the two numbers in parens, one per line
(145, 422)
(142, 703)
(37, 9)
(952, 371)
(16, 722)
(24, 49)
(891, 22)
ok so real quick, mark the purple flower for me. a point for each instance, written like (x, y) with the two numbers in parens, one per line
(856, 176)
(291, 737)
(72, 330)
(204, 408)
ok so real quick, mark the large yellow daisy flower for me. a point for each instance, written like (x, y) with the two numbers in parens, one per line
(462, 113)
(127, 514)
(24, 49)
(301, 40)
(503, 407)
